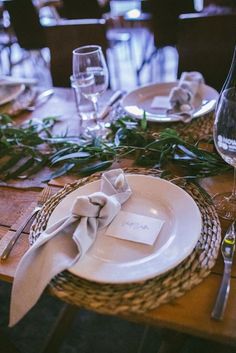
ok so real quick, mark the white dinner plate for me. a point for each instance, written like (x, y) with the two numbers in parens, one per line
(115, 260)
(8, 93)
(140, 100)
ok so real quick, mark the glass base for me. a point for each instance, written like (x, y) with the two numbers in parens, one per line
(225, 205)
(94, 130)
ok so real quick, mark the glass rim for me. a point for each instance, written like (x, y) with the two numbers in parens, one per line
(93, 47)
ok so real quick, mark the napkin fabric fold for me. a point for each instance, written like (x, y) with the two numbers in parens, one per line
(182, 96)
(61, 245)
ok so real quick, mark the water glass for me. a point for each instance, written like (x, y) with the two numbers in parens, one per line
(84, 107)
(90, 80)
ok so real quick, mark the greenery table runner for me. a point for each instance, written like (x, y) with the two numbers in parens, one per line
(31, 150)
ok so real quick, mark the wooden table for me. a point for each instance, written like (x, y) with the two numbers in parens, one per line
(189, 314)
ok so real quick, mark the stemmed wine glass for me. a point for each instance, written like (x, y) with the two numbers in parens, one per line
(90, 75)
(224, 132)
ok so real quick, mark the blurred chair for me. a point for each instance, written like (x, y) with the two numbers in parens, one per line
(67, 35)
(118, 38)
(164, 22)
(205, 44)
(77, 9)
(217, 7)
(24, 20)
(7, 42)
(120, 43)
(223, 3)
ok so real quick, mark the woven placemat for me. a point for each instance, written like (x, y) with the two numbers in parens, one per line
(146, 295)
(198, 129)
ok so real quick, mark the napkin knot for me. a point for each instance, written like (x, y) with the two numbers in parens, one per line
(180, 96)
(85, 206)
(97, 205)
(190, 84)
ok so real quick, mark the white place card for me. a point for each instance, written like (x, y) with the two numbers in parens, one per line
(161, 102)
(135, 227)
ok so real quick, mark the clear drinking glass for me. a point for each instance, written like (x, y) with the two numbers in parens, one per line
(224, 132)
(90, 75)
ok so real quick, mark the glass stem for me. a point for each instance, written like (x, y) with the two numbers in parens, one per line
(233, 195)
(95, 106)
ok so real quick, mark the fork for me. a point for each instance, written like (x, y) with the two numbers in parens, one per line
(43, 197)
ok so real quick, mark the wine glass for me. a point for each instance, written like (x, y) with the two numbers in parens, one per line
(90, 75)
(224, 132)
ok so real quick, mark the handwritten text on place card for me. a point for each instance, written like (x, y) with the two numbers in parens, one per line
(135, 227)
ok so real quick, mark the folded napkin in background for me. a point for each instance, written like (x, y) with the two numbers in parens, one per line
(55, 250)
(182, 96)
(22, 102)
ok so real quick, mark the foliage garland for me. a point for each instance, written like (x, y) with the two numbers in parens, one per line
(26, 149)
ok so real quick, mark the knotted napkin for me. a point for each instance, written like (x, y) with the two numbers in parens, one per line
(190, 84)
(61, 245)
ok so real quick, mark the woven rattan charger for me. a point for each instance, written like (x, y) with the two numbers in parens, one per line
(198, 129)
(149, 294)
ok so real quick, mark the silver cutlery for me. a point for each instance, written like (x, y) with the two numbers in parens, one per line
(40, 99)
(43, 197)
(29, 100)
(227, 250)
(107, 108)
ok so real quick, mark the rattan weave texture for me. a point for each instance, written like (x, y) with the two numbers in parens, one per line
(198, 129)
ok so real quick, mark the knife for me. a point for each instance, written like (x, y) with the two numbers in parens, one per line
(40, 99)
(227, 250)
(113, 99)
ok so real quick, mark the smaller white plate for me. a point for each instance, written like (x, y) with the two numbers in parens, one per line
(140, 100)
(113, 260)
(8, 93)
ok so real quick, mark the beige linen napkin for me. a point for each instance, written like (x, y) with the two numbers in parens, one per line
(60, 246)
(190, 84)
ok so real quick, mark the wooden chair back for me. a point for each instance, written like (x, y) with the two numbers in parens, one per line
(25, 22)
(74, 9)
(205, 43)
(63, 37)
(164, 19)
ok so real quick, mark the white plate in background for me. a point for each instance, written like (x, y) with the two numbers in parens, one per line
(140, 100)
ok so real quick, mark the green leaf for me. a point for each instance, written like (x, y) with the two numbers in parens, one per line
(61, 171)
(74, 155)
(144, 122)
(31, 146)
(23, 167)
(95, 167)
(36, 167)
(5, 119)
(10, 163)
